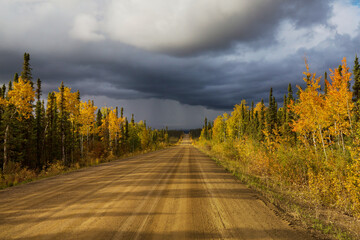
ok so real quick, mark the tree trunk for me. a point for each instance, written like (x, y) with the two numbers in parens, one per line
(314, 141)
(322, 140)
(338, 136)
(342, 141)
(348, 110)
(82, 145)
(5, 147)
(63, 148)
(87, 142)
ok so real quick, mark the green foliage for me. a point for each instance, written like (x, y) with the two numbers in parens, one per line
(66, 133)
(262, 142)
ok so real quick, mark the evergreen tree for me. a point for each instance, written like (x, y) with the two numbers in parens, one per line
(126, 129)
(132, 119)
(356, 88)
(209, 130)
(98, 118)
(252, 111)
(62, 115)
(122, 129)
(262, 120)
(10, 86)
(51, 129)
(16, 77)
(3, 91)
(38, 126)
(356, 74)
(205, 128)
(26, 70)
(28, 127)
(34, 136)
(340, 70)
(271, 113)
(285, 109)
(326, 81)
(290, 116)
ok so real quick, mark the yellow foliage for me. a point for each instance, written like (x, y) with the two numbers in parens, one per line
(71, 103)
(236, 122)
(310, 109)
(258, 107)
(87, 117)
(219, 129)
(112, 124)
(21, 96)
(322, 116)
(339, 102)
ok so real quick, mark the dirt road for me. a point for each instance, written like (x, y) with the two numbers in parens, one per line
(176, 193)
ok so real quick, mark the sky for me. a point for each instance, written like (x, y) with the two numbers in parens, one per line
(173, 63)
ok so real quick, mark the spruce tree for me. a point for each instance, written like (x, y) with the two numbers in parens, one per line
(261, 120)
(340, 70)
(98, 118)
(10, 86)
(205, 128)
(356, 88)
(28, 126)
(132, 119)
(356, 74)
(126, 129)
(62, 122)
(325, 85)
(290, 116)
(4, 91)
(51, 130)
(122, 128)
(252, 111)
(38, 126)
(285, 109)
(16, 77)
(26, 70)
(272, 112)
(209, 130)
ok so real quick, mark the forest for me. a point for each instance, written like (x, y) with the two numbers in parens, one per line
(40, 138)
(310, 145)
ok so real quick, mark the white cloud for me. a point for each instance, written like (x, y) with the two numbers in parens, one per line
(176, 24)
(346, 18)
(86, 28)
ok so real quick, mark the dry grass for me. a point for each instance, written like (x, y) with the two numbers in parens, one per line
(315, 194)
(16, 175)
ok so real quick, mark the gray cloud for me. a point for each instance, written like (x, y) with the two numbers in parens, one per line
(226, 54)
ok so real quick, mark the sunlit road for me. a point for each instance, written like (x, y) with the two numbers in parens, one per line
(176, 193)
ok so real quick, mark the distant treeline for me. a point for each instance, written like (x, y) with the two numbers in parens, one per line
(195, 133)
(175, 133)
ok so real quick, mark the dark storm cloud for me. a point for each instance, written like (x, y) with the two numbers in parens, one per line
(193, 81)
(303, 13)
(256, 26)
(221, 60)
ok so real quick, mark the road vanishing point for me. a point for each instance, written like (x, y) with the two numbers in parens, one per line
(175, 193)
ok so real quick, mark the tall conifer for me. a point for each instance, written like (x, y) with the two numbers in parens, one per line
(356, 74)
(356, 88)
(38, 125)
